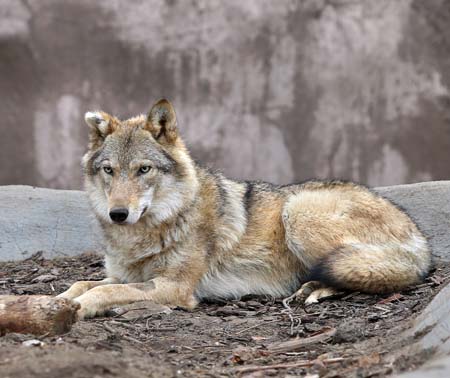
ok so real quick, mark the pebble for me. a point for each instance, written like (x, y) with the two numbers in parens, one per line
(33, 343)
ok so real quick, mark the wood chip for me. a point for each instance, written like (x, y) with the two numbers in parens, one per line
(392, 298)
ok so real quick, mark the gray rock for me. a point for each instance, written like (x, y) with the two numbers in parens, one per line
(57, 222)
(428, 203)
(431, 329)
(438, 368)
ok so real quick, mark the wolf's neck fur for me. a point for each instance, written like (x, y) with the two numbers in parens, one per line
(225, 200)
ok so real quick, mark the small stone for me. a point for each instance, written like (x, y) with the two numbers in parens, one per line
(33, 343)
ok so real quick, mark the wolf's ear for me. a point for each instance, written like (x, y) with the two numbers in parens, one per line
(98, 121)
(100, 124)
(162, 122)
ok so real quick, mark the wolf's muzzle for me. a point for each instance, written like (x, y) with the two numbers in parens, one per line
(118, 214)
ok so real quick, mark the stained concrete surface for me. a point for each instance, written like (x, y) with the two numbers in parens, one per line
(276, 90)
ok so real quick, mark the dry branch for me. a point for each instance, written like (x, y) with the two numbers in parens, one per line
(36, 314)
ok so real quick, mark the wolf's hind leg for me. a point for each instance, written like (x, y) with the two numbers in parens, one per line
(322, 293)
(307, 289)
(312, 291)
(81, 287)
(344, 245)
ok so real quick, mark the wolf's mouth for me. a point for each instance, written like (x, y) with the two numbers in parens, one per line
(143, 211)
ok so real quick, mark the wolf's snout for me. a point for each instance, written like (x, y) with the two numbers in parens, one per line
(118, 214)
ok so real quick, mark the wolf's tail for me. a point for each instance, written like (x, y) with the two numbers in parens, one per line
(375, 268)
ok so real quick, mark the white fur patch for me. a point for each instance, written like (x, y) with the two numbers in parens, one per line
(233, 285)
(98, 201)
(146, 199)
(416, 245)
(144, 202)
(233, 222)
(169, 204)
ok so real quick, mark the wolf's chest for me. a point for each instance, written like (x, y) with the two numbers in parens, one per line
(128, 268)
(127, 255)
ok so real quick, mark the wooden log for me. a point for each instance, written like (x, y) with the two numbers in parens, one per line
(36, 314)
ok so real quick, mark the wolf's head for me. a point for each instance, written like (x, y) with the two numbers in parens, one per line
(139, 167)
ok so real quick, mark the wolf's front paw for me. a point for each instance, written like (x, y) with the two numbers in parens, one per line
(66, 295)
(77, 289)
(86, 311)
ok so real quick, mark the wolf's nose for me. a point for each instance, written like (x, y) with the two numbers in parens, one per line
(118, 214)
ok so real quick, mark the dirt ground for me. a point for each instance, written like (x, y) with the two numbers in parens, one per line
(350, 335)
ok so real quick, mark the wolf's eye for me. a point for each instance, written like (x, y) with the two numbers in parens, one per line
(144, 169)
(108, 170)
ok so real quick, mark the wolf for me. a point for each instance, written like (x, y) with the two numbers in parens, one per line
(177, 233)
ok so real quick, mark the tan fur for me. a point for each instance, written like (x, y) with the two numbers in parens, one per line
(193, 234)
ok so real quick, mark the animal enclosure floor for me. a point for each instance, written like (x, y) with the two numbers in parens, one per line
(351, 335)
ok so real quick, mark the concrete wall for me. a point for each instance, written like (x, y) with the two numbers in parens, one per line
(276, 90)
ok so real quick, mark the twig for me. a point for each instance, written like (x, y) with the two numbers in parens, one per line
(131, 339)
(125, 325)
(324, 312)
(210, 346)
(249, 369)
(381, 308)
(297, 343)
(165, 329)
(109, 328)
(422, 285)
(350, 295)
(392, 298)
(288, 300)
(288, 310)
